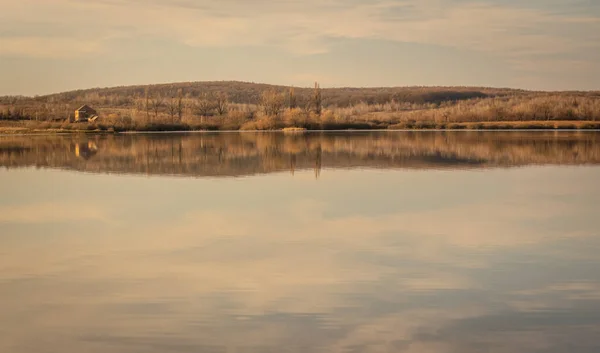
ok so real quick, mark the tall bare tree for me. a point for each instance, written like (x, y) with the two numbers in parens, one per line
(292, 99)
(317, 99)
(172, 105)
(180, 104)
(156, 102)
(147, 103)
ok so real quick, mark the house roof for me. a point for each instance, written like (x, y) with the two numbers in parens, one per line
(84, 107)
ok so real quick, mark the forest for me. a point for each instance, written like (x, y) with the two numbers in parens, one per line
(230, 105)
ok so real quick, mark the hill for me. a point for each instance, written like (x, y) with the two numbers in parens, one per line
(235, 105)
(250, 93)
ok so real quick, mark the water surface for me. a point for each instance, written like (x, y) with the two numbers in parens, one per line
(318, 242)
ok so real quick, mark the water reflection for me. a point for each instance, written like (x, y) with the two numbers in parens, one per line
(237, 154)
(85, 150)
(442, 257)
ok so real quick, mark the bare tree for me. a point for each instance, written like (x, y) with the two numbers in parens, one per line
(221, 103)
(544, 109)
(156, 102)
(147, 104)
(292, 99)
(180, 104)
(172, 105)
(205, 105)
(586, 111)
(317, 100)
(272, 102)
(306, 106)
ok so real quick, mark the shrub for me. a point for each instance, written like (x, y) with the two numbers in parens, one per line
(296, 117)
(263, 123)
(424, 125)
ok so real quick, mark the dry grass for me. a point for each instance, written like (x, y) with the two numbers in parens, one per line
(266, 123)
(503, 125)
(294, 129)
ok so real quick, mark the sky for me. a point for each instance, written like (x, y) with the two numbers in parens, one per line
(49, 46)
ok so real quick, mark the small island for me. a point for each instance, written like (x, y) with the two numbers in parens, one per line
(231, 105)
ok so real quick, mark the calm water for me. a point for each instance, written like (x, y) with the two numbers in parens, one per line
(270, 242)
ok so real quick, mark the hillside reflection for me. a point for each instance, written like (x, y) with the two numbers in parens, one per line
(239, 154)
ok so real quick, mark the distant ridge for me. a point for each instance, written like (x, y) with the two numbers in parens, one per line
(250, 92)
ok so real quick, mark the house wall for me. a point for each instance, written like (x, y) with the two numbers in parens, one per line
(80, 116)
(83, 115)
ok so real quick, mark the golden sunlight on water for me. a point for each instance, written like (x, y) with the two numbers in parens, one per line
(406, 242)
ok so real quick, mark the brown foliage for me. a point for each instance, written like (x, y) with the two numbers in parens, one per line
(272, 103)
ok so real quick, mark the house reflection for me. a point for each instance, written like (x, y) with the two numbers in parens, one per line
(85, 150)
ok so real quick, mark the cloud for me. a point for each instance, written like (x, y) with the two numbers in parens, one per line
(309, 27)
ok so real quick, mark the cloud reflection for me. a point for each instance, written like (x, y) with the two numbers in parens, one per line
(275, 263)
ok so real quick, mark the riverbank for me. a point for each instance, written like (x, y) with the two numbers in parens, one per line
(32, 127)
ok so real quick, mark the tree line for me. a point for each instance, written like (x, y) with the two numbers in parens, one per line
(235, 105)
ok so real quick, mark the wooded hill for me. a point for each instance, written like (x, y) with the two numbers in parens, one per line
(244, 105)
(250, 93)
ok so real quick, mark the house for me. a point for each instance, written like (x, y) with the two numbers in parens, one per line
(85, 113)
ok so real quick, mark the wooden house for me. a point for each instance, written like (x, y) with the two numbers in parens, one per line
(85, 113)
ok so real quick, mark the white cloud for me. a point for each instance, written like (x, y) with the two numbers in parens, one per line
(305, 26)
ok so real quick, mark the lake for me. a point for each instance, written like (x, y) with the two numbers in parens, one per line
(300, 242)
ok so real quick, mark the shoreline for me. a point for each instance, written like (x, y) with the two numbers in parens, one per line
(563, 125)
